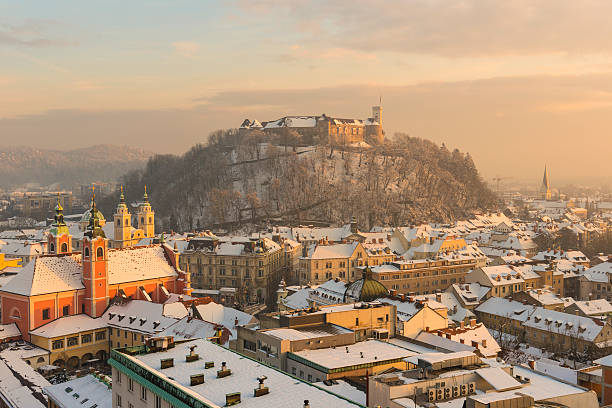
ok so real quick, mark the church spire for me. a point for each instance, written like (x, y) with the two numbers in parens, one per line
(94, 228)
(145, 197)
(546, 192)
(59, 226)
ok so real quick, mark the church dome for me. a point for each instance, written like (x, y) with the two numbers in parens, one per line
(366, 289)
(87, 215)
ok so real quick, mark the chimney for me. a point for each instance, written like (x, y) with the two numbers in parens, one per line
(532, 364)
(484, 342)
(448, 336)
(306, 404)
(475, 344)
(438, 297)
(472, 322)
(462, 341)
(462, 324)
(261, 389)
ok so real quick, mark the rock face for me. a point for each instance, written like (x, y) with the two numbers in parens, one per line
(235, 180)
(22, 165)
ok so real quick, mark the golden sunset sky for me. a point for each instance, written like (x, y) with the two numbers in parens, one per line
(516, 83)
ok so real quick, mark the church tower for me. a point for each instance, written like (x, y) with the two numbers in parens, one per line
(59, 240)
(123, 228)
(546, 191)
(146, 217)
(95, 265)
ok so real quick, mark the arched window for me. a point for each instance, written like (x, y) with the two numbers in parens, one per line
(142, 220)
(51, 247)
(100, 252)
(86, 251)
(150, 221)
(15, 314)
(118, 223)
(64, 247)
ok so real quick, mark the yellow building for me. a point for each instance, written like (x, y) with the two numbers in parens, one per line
(323, 262)
(9, 263)
(73, 341)
(251, 267)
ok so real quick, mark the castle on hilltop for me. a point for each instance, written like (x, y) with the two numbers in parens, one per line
(325, 129)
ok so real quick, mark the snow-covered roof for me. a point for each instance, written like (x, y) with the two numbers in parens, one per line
(363, 352)
(48, 274)
(84, 392)
(189, 328)
(599, 273)
(143, 316)
(332, 251)
(225, 316)
(9, 330)
(69, 325)
(138, 263)
(59, 273)
(471, 293)
(344, 389)
(594, 307)
(284, 333)
(285, 390)
(11, 387)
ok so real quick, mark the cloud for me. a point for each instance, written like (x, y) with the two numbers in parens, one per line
(448, 28)
(187, 49)
(31, 33)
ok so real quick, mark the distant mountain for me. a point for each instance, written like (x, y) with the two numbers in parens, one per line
(105, 163)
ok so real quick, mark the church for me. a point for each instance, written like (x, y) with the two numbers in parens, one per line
(68, 283)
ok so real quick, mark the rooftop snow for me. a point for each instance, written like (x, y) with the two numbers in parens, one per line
(373, 351)
(69, 325)
(85, 392)
(285, 390)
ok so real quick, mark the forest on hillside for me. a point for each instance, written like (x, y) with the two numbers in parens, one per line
(238, 179)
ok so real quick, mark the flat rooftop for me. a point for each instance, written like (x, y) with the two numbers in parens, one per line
(307, 332)
(364, 352)
(285, 390)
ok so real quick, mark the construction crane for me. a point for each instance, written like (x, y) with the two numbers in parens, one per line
(497, 179)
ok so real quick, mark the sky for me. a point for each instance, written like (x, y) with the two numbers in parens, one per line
(518, 83)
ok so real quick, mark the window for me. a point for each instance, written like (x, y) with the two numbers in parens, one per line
(309, 377)
(100, 335)
(143, 393)
(100, 252)
(293, 370)
(125, 334)
(301, 374)
(118, 377)
(52, 248)
(110, 331)
(64, 247)
(130, 384)
(157, 401)
(73, 341)
(57, 344)
(119, 401)
(260, 273)
(86, 338)
(66, 310)
(46, 314)
(86, 251)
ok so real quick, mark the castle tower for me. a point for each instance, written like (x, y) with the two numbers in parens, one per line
(545, 190)
(123, 228)
(59, 240)
(377, 114)
(95, 265)
(146, 216)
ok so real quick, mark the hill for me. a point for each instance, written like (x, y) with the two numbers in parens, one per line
(20, 165)
(237, 179)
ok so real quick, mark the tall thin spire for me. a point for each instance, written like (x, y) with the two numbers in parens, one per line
(545, 179)
(145, 196)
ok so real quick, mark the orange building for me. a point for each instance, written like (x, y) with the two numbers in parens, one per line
(66, 283)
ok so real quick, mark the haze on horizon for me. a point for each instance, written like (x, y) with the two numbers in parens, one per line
(516, 84)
